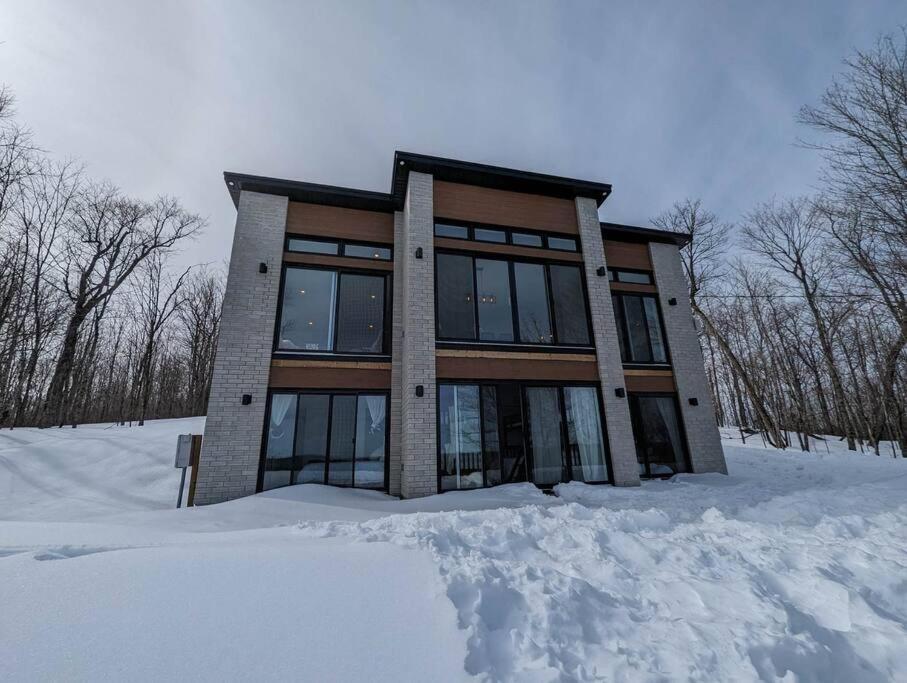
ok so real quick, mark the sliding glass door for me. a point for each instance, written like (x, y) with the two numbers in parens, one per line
(325, 438)
(502, 433)
(660, 447)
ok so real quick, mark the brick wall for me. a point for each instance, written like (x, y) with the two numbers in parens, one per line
(699, 421)
(418, 414)
(396, 414)
(232, 444)
(625, 469)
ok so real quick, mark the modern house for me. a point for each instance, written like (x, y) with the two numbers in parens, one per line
(474, 326)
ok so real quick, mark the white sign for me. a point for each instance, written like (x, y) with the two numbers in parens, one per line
(183, 450)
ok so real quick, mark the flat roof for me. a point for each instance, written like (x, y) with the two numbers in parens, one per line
(635, 233)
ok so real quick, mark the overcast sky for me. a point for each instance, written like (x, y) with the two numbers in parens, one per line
(663, 100)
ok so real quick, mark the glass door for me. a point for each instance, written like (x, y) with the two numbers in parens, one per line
(660, 447)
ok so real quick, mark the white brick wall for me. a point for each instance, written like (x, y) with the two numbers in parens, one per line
(624, 465)
(418, 415)
(699, 421)
(232, 444)
(396, 414)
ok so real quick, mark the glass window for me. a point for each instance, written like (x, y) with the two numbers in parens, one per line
(584, 432)
(653, 322)
(279, 450)
(634, 278)
(456, 299)
(488, 235)
(307, 310)
(461, 437)
(313, 246)
(611, 276)
(637, 336)
(532, 303)
(343, 432)
(659, 445)
(456, 231)
(371, 427)
(525, 239)
(569, 305)
(544, 416)
(562, 243)
(365, 251)
(311, 438)
(513, 455)
(360, 325)
(490, 435)
(493, 297)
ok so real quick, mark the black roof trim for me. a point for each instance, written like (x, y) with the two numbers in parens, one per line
(495, 177)
(312, 193)
(634, 233)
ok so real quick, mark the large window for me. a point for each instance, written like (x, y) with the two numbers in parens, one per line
(329, 311)
(494, 434)
(639, 328)
(656, 428)
(499, 235)
(502, 301)
(325, 438)
(340, 248)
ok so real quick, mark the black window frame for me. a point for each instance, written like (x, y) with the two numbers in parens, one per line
(635, 425)
(527, 450)
(387, 321)
(624, 332)
(614, 275)
(514, 302)
(327, 458)
(341, 247)
(472, 226)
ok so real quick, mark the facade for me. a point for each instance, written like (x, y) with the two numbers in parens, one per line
(474, 326)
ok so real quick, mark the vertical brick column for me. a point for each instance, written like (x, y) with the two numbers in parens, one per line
(232, 445)
(396, 411)
(699, 422)
(624, 465)
(418, 414)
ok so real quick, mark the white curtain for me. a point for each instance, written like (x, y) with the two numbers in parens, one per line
(376, 410)
(587, 427)
(280, 404)
(669, 417)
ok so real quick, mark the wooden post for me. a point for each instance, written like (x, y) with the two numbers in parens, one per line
(194, 454)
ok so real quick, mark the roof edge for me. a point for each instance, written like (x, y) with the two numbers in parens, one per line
(635, 233)
(313, 193)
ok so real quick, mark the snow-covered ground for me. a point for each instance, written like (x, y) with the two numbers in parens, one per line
(794, 567)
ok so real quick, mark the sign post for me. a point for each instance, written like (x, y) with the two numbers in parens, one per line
(183, 455)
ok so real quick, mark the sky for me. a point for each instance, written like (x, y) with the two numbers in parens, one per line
(664, 100)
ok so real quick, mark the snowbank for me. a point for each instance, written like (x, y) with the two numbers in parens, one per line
(791, 567)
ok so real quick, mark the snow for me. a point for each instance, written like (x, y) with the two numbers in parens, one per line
(794, 567)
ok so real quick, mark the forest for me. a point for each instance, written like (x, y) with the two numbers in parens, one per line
(800, 304)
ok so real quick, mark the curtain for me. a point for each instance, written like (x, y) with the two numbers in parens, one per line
(668, 415)
(280, 404)
(376, 410)
(587, 428)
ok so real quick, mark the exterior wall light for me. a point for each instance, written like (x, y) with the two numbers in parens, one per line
(262, 267)
(418, 252)
(602, 271)
(246, 399)
(420, 390)
(620, 392)
(672, 301)
(693, 401)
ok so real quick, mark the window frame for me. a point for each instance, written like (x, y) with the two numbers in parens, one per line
(330, 393)
(510, 260)
(527, 451)
(341, 247)
(387, 314)
(472, 226)
(624, 331)
(615, 272)
(635, 425)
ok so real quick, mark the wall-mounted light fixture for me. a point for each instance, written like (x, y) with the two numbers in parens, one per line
(418, 252)
(601, 271)
(672, 301)
(693, 401)
(262, 267)
(620, 392)
(420, 390)
(246, 399)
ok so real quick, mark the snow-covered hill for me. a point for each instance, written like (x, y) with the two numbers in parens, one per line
(795, 566)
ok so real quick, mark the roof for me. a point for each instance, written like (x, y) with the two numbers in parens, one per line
(308, 192)
(635, 233)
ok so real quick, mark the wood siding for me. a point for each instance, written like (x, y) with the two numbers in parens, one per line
(453, 364)
(332, 221)
(627, 255)
(649, 380)
(322, 374)
(502, 207)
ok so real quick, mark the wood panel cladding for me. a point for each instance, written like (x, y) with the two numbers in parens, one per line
(333, 221)
(649, 380)
(321, 374)
(337, 261)
(632, 287)
(522, 366)
(507, 250)
(502, 207)
(627, 255)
